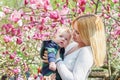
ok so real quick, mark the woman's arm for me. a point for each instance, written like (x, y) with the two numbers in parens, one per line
(81, 68)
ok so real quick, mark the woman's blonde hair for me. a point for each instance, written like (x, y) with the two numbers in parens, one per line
(91, 31)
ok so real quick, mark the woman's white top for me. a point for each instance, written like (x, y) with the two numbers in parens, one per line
(76, 65)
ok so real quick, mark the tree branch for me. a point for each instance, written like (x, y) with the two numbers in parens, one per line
(96, 6)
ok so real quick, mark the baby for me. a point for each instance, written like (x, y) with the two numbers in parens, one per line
(59, 42)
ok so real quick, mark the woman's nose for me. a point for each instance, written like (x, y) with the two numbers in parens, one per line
(73, 33)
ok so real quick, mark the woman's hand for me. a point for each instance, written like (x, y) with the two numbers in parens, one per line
(51, 77)
(45, 57)
(52, 66)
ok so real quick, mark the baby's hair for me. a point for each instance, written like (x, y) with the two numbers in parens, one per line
(64, 29)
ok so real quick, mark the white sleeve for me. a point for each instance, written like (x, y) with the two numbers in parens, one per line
(81, 68)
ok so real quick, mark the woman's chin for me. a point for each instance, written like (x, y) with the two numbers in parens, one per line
(74, 40)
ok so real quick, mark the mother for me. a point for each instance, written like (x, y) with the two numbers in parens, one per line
(87, 49)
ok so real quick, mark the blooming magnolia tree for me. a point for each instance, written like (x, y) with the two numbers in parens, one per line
(25, 23)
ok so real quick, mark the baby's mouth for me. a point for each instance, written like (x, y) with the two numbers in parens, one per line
(61, 43)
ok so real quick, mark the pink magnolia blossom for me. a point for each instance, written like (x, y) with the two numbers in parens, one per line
(108, 7)
(16, 70)
(40, 27)
(6, 52)
(27, 28)
(33, 1)
(114, 44)
(17, 60)
(16, 32)
(117, 31)
(47, 5)
(20, 22)
(15, 16)
(64, 11)
(106, 16)
(79, 11)
(46, 27)
(37, 36)
(23, 49)
(25, 67)
(119, 15)
(32, 18)
(28, 37)
(6, 9)
(19, 41)
(74, 10)
(115, 54)
(2, 15)
(113, 35)
(7, 39)
(119, 50)
(7, 28)
(81, 2)
(54, 15)
(3, 53)
(58, 5)
(69, 21)
(82, 8)
(44, 15)
(36, 4)
(53, 25)
(35, 76)
(21, 12)
(62, 20)
(115, 1)
(47, 34)
(43, 21)
(33, 6)
(12, 56)
(20, 78)
(26, 2)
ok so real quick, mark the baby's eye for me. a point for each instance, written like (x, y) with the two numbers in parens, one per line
(60, 35)
(66, 39)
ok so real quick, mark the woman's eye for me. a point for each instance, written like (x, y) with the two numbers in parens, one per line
(77, 32)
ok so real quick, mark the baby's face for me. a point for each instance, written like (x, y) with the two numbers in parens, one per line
(63, 39)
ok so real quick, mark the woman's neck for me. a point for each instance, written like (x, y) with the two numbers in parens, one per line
(81, 44)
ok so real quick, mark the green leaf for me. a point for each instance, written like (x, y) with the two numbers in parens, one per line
(20, 54)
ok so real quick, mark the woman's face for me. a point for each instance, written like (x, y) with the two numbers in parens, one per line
(76, 36)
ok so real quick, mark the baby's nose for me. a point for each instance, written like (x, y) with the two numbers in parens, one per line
(63, 39)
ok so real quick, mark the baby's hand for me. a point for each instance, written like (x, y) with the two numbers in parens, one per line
(52, 66)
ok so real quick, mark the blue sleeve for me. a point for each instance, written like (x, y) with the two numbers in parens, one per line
(51, 57)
